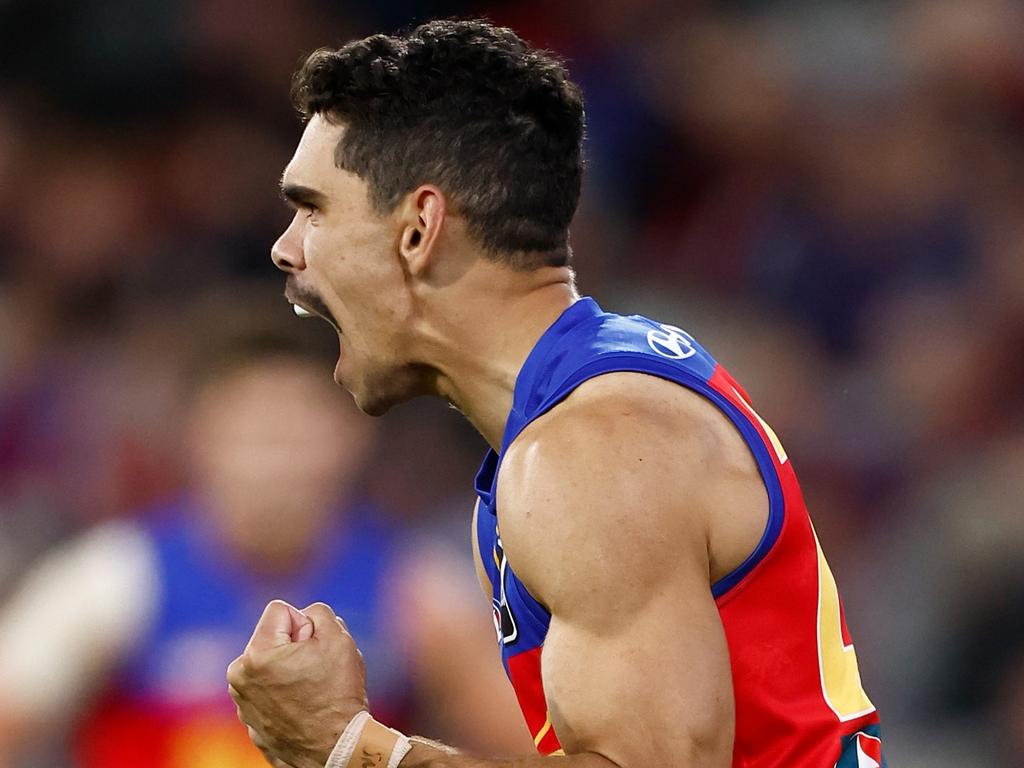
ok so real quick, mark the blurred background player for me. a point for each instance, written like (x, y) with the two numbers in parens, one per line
(828, 194)
(150, 610)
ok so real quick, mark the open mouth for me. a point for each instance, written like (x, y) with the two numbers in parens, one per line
(307, 306)
(307, 303)
(304, 311)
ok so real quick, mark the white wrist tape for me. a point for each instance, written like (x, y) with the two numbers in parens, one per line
(365, 743)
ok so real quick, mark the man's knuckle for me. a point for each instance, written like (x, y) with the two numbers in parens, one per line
(320, 608)
(274, 606)
(236, 673)
(256, 665)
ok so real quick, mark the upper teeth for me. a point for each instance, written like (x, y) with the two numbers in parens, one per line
(301, 311)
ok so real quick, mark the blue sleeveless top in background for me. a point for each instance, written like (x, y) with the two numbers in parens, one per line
(209, 602)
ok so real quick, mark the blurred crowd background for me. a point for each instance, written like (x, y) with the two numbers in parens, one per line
(829, 195)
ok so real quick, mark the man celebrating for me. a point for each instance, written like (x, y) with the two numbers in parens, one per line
(659, 593)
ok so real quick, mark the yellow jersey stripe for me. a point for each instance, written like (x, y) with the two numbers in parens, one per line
(543, 731)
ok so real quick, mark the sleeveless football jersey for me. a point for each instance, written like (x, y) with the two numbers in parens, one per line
(798, 696)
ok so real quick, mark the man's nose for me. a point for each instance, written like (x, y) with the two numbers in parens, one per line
(287, 252)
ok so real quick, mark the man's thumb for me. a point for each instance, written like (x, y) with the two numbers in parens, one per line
(279, 625)
(323, 618)
(304, 631)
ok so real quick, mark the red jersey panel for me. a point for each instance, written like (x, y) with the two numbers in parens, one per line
(793, 668)
(798, 697)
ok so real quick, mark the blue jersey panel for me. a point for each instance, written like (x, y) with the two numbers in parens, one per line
(583, 343)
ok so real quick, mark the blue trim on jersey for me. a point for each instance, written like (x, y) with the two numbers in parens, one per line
(583, 343)
(537, 613)
(848, 757)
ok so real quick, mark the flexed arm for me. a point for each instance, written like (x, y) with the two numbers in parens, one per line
(604, 517)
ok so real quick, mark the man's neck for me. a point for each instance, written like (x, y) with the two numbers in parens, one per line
(479, 340)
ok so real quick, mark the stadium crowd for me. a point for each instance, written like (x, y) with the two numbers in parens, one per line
(829, 195)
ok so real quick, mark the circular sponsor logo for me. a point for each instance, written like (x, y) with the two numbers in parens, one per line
(671, 342)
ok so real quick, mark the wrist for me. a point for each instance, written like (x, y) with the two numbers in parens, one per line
(366, 743)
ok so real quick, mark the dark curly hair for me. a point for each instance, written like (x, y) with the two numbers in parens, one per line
(470, 107)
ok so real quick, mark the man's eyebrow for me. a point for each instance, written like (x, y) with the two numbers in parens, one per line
(303, 196)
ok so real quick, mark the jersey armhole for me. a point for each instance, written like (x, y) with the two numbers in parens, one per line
(723, 589)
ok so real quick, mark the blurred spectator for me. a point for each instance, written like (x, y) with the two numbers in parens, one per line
(153, 608)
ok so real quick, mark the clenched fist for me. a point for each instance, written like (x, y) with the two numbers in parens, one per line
(298, 683)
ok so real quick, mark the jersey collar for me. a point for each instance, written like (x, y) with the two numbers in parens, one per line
(531, 388)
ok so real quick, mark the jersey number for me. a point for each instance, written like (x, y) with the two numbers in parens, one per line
(837, 661)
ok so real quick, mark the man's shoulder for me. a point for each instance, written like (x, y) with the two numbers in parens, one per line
(630, 457)
(615, 411)
(621, 438)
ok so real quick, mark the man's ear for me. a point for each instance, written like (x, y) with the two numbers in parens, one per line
(423, 216)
